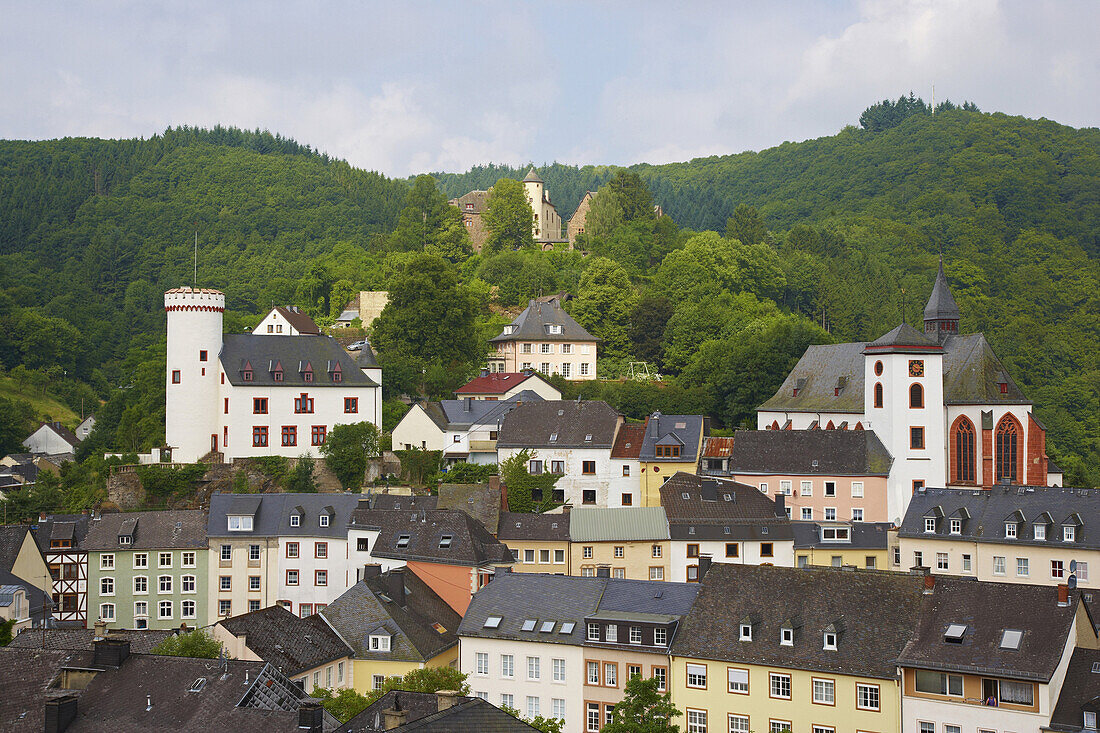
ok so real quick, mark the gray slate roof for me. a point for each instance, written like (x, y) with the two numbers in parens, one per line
(263, 352)
(706, 512)
(1080, 692)
(523, 526)
(987, 610)
(941, 303)
(865, 535)
(423, 715)
(985, 511)
(156, 530)
(480, 501)
(639, 596)
(271, 514)
(532, 324)
(370, 604)
(72, 527)
(531, 425)
(141, 642)
(290, 643)
(683, 430)
(626, 524)
(875, 610)
(903, 338)
(461, 414)
(516, 597)
(972, 375)
(12, 537)
(836, 453)
(471, 543)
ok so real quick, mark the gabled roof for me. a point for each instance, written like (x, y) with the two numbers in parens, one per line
(701, 508)
(12, 537)
(465, 413)
(991, 509)
(594, 524)
(1080, 691)
(291, 643)
(532, 324)
(424, 716)
(683, 430)
(986, 610)
(62, 432)
(516, 597)
(271, 514)
(301, 322)
(641, 597)
(577, 424)
(628, 443)
(399, 502)
(879, 610)
(524, 526)
(941, 303)
(480, 501)
(371, 603)
(809, 452)
(141, 642)
(477, 201)
(903, 338)
(495, 383)
(262, 351)
(420, 535)
(717, 447)
(155, 530)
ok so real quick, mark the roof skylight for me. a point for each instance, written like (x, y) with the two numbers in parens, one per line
(547, 627)
(1011, 639)
(954, 633)
(529, 624)
(493, 622)
(566, 627)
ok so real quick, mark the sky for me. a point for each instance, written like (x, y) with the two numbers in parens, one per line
(411, 87)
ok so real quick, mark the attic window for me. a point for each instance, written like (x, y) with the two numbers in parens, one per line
(566, 627)
(727, 497)
(685, 496)
(725, 530)
(295, 520)
(493, 622)
(547, 627)
(554, 328)
(553, 437)
(197, 685)
(445, 540)
(829, 641)
(529, 625)
(746, 632)
(588, 438)
(246, 375)
(439, 628)
(786, 637)
(403, 540)
(125, 539)
(954, 633)
(1011, 639)
(835, 534)
(1096, 667)
(379, 642)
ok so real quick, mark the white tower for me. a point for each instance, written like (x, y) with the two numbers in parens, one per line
(533, 187)
(903, 373)
(191, 395)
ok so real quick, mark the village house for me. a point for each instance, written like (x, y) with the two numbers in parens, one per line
(539, 542)
(503, 385)
(857, 544)
(464, 430)
(60, 538)
(52, 439)
(443, 711)
(671, 444)
(625, 475)
(629, 542)
(545, 338)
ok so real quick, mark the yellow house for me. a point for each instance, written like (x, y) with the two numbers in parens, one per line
(539, 542)
(394, 623)
(672, 443)
(865, 545)
(630, 542)
(768, 648)
(20, 556)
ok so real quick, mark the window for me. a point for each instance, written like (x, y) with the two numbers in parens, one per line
(141, 584)
(916, 438)
(106, 586)
(1082, 571)
(546, 348)
(557, 708)
(534, 467)
(941, 561)
(611, 633)
(379, 642)
(830, 488)
(292, 577)
(482, 663)
(588, 467)
(620, 551)
(739, 723)
(1068, 533)
(292, 547)
(290, 435)
(323, 520)
(766, 549)
(611, 674)
(225, 582)
(660, 636)
(918, 559)
(559, 557)
(939, 683)
(878, 394)
(544, 367)
(916, 396)
(732, 549)
(764, 488)
(857, 514)
(558, 670)
(779, 685)
(318, 434)
(966, 564)
(929, 524)
(320, 577)
(593, 673)
(693, 550)
(351, 404)
(824, 692)
(107, 611)
(822, 729)
(303, 403)
(1017, 693)
(656, 551)
(738, 680)
(1090, 720)
(253, 582)
(661, 675)
(164, 584)
(785, 487)
(1022, 566)
(962, 445)
(926, 727)
(507, 665)
(141, 560)
(696, 721)
(107, 561)
(187, 584)
(998, 565)
(807, 513)
(320, 550)
(1010, 530)
(656, 573)
(1057, 569)
(1006, 441)
(830, 514)
(635, 634)
(745, 632)
(857, 489)
(225, 608)
(237, 523)
(532, 706)
(592, 717)
(259, 405)
(593, 631)
(697, 675)
(668, 451)
(259, 436)
(533, 668)
(867, 697)
(164, 609)
(586, 552)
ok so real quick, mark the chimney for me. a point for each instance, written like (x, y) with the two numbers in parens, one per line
(466, 403)
(311, 717)
(395, 585)
(781, 506)
(60, 712)
(395, 716)
(371, 571)
(919, 570)
(1063, 595)
(41, 516)
(929, 583)
(704, 565)
(565, 508)
(603, 571)
(445, 699)
(100, 630)
(110, 653)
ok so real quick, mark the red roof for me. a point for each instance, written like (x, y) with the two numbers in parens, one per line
(628, 443)
(715, 447)
(495, 383)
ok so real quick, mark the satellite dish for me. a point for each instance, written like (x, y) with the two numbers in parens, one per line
(1071, 581)
(1073, 566)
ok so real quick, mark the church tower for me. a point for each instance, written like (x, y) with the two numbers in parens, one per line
(191, 396)
(941, 315)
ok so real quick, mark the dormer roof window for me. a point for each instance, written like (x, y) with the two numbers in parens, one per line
(554, 329)
(930, 525)
(295, 520)
(829, 643)
(445, 541)
(1069, 533)
(276, 369)
(836, 534)
(831, 635)
(746, 632)
(403, 540)
(954, 633)
(240, 523)
(1010, 530)
(379, 642)
(246, 371)
(306, 370)
(956, 525)
(786, 636)
(335, 373)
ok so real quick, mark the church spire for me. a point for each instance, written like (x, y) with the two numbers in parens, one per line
(941, 315)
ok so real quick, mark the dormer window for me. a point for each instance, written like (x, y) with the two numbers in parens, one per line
(125, 539)
(930, 524)
(1090, 720)
(829, 641)
(379, 642)
(956, 526)
(277, 371)
(1010, 530)
(786, 637)
(445, 541)
(1068, 533)
(835, 534)
(324, 520)
(295, 520)
(246, 375)
(746, 632)
(1040, 531)
(240, 523)
(307, 376)
(554, 329)
(553, 437)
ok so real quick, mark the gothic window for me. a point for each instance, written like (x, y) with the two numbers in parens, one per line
(962, 447)
(1008, 447)
(916, 396)
(878, 394)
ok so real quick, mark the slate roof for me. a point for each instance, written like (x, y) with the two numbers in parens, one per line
(516, 597)
(532, 177)
(987, 609)
(532, 424)
(639, 596)
(36, 597)
(903, 338)
(12, 537)
(524, 526)
(471, 543)
(532, 323)
(480, 501)
(290, 643)
(141, 642)
(263, 352)
(271, 514)
(706, 513)
(683, 430)
(22, 706)
(494, 383)
(461, 415)
(836, 453)
(988, 510)
(479, 199)
(865, 535)
(596, 524)
(301, 322)
(877, 611)
(399, 502)
(628, 443)
(972, 375)
(73, 527)
(941, 303)
(467, 714)
(1080, 691)
(370, 604)
(156, 530)
(365, 358)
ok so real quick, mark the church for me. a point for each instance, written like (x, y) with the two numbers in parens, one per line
(941, 403)
(278, 390)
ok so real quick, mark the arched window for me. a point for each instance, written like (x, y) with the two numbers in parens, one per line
(1007, 441)
(916, 395)
(962, 451)
(878, 394)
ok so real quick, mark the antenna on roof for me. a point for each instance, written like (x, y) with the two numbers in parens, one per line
(195, 282)
(903, 306)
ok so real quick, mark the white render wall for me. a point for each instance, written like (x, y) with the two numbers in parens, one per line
(973, 717)
(802, 420)
(619, 484)
(417, 430)
(339, 577)
(749, 554)
(191, 407)
(574, 482)
(358, 558)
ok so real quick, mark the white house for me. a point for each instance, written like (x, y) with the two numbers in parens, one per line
(51, 439)
(465, 430)
(261, 393)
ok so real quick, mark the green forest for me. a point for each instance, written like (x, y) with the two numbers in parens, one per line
(757, 255)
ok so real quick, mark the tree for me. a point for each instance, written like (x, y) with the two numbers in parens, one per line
(508, 217)
(604, 304)
(546, 725)
(5, 631)
(746, 226)
(429, 223)
(344, 704)
(197, 643)
(301, 479)
(527, 492)
(605, 214)
(643, 709)
(347, 449)
(647, 327)
(632, 195)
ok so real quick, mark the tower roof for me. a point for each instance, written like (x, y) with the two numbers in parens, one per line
(902, 338)
(941, 304)
(532, 177)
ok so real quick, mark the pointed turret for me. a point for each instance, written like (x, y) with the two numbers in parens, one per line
(941, 315)
(532, 176)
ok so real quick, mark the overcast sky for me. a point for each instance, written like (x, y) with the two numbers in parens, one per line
(408, 87)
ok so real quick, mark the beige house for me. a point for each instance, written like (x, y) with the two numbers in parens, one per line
(539, 542)
(577, 222)
(366, 306)
(628, 542)
(545, 221)
(503, 385)
(546, 339)
(20, 556)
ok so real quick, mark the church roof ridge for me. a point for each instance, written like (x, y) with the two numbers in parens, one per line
(941, 303)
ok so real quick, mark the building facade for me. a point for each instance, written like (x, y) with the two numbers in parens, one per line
(60, 537)
(624, 543)
(546, 339)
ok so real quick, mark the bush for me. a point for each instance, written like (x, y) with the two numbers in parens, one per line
(197, 643)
